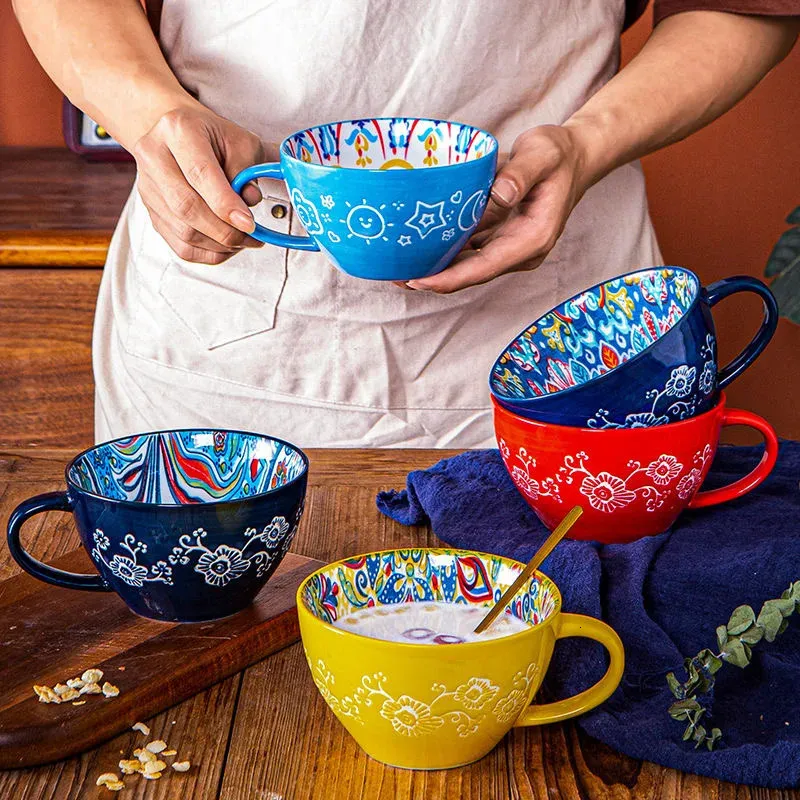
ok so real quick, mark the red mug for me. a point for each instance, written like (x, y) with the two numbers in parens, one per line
(631, 482)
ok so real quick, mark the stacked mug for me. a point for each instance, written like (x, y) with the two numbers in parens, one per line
(613, 401)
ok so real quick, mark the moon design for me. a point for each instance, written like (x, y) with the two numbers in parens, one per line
(471, 210)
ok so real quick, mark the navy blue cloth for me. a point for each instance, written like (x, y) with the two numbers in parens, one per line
(664, 595)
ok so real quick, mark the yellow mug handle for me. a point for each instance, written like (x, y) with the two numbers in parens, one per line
(589, 628)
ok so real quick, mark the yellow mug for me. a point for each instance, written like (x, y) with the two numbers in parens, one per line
(422, 706)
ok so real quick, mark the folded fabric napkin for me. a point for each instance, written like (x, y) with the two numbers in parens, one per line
(665, 595)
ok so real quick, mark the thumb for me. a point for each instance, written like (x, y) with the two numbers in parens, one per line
(532, 159)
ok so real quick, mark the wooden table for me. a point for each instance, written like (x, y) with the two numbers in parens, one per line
(266, 733)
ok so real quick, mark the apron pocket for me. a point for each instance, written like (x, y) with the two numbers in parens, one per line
(236, 299)
(222, 304)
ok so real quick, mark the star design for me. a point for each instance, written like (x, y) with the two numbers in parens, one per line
(404, 240)
(427, 217)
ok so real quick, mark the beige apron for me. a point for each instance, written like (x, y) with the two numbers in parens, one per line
(280, 341)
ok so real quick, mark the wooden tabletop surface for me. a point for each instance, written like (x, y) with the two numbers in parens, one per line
(56, 208)
(267, 734)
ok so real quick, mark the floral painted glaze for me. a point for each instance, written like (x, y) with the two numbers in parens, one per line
(385, 198)
(636, 351)
(631, 482)
(184, 525)
(433, 707)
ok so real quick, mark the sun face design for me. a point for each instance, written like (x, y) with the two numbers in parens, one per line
(366, 222)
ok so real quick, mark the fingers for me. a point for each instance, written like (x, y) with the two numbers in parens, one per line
(184, 164)
(186, 250)
(516, 246)
(166, 192)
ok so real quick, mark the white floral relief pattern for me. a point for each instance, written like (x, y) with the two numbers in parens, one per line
(224, 564)
(127, 568)
(655, 482)
(466, 707)
(525, 482)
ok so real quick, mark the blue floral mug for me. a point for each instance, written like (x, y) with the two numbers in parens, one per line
(386, 199)
(635, 351)
(185, 526)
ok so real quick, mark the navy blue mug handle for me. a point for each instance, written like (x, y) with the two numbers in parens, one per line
(265, 234)
(52, 501)
(744, 283)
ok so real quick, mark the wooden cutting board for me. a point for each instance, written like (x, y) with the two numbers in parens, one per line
(48, 635)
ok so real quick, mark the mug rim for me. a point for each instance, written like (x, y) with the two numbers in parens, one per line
(182, 506)
(303, 609)
(283, 150)
(526, 402)
(720, 405)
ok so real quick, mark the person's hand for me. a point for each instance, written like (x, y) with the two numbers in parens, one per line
(185, 165)
(532, 197)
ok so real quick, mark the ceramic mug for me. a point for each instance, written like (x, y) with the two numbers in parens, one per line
(631, 482)
(638, 350)
(437, 706)
(185, 526)
(386, 199)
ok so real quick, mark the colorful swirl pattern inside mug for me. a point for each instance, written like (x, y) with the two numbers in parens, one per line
(390, 143)
(414, 576)
(593, 333)
(187, 467)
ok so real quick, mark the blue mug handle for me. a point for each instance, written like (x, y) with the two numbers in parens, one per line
(744, 283)
(52, 501)
(265, 234)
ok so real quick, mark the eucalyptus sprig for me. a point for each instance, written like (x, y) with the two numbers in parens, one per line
(735, 641)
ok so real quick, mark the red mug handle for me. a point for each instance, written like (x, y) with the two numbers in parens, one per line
(735, 416)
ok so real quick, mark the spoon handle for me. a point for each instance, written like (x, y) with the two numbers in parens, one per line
(552, 540)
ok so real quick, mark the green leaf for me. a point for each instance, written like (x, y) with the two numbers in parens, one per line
(769, 620)
(786, 288)
(783, 627)
(675, 686)
(784, 254)
(794, 217)
(795, 590)
(722, 636)
(736, 653)
(683, 708)
(741, 619)
(699, 736)
(752, 635)
(716, 735)
(784, 605)
(687, 734)
(711, 662)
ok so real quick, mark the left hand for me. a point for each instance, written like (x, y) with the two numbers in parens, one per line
(532, 197)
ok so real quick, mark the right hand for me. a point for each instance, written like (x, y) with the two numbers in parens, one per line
(185, 164)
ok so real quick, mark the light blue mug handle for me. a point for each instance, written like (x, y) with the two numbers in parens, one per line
(265, 234)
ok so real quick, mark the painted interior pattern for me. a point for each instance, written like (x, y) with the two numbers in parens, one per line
(390, 143)
(414, 576)
(594, 332)
(183, 467)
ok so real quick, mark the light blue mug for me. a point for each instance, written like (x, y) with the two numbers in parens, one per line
(386, 199)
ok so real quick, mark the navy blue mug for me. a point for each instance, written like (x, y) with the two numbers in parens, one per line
(185, 526)
(636, 351)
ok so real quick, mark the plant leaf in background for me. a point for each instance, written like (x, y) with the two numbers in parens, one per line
(784, 266)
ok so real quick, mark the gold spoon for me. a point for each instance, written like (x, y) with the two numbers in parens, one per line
(541, 554)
